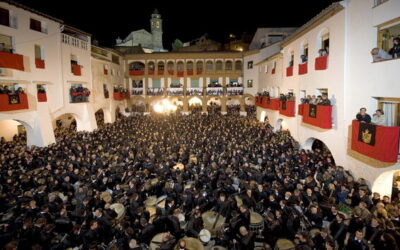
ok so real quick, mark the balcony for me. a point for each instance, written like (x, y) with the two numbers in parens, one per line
(303, 68)
(155, 91)
(215, 91)
(268, 103)
(40, 64)
(234, 90)
(74, 42)
(286, 108)
(79, 96)
(76, 69)
(175, 91)
(119, 96)
(171, 72)
(317, 115)
(150, 72)
(273, 71)
(42, 97)
(11, 61)
(199, 72)
(180, 73)
(321, 63)
(377, 142)
(160, 72)
(135, 72)
(194, 91)
(11, 102)
(137, 91)
(289, 71)
(189, 72)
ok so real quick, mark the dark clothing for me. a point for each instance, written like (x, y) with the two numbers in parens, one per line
(363, 118)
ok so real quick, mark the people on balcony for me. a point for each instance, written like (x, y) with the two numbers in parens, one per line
(378, 118)
(214, 85)
(395, 50)
(175, 92)
(234, 85)
(234, 91)
(303, 58)
(362, 116)
(324, 100)
(263, 94)
(79, 94)
(155, 91)
(194, 92)
(176, 85)
(137, 91)
(41, 90)
(5, 89)
(379, 55)
(215, 92)
(322, 52)
(137, 84)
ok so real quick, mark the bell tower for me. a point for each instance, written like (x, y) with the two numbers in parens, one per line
(156, 30)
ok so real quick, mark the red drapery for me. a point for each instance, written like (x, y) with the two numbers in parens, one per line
(303, 68)
(136, 72)
(76, 69)
(171, 72)
(300, 109)
(40, 64)
(11, 61)
(321, 63)
(42, 97)
(289, 111)
(117, 96)
(180, 73)
(6, 106)
(263, 103)
(151, 72)
(273, 71)
(289, 71)
(189, 72)
(161, 72)
(386, 146)
(323, 118)
(199, 72)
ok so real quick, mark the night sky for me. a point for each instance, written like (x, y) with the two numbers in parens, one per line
(185, 20)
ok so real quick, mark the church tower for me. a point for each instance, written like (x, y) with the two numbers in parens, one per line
(156, 30)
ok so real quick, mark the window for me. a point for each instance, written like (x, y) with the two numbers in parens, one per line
(249, 83)
(160, 66)
(304, 54)
(170, 66)
(291, 59)
(199, 66)
(36, 25)
(379, 2)
(39, 52)
(249, 64)
(209, 65)
(218, 65)
(238, 65)
(189, 65)
(74, 60)
(151, 66)
(4, 17)
(228, 65)
(180, 66)
(386, 36)
(325, 43)
(6, 43)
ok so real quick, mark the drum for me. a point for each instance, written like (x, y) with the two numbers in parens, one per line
(212, 224)
(284, 244)
(256, 222)
(151, 201)
(205, 236)
(191, 244)
(155, 243)
(119, 209)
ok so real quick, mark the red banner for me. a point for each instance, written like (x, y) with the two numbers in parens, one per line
(323, 116)
(11, 61)
(273, 71)
(321, 63)
(170, 72)
(118, 96)
(189, 72)
(286, 108)
(180, 73)
(76, 69)
(136, 72)
(268, 103)
(303, 68)
(300, 109)
(160, 72)
(42, 97)
(289, 71)
(6, 106)
(386, 146)
(39, 64)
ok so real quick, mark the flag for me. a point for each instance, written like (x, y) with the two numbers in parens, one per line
(366, 133)
(13, 99)
(312, 111)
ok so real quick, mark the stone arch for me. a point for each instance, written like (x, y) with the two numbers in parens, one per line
(151, 66)
(313, 143)
(137, 66)
(189, 65)
(238, 65)
(160, 66)
(99, 115)
(381, 183)
(199, 66)
(180, 66)
(219, 65)
(209, 65)
(67, 122)
(249, 100)
(228, 65)
(11, 127)
(170, 65)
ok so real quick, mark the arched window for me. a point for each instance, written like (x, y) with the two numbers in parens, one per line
(218, 65)
(151, 66)
(136, 66)
(189, 65)
(199, 66)
(238, 65)
(228, 65)
(180, 66)
(170, 65)
(209, 65)
(160, 66)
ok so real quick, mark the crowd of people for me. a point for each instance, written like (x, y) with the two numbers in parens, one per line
(214, 84)
(137, 91)
(121, 186)
(194, 91)
(155, 91)
(316, 100)
(215, 92)
(78, 93)
(234, 91)
(137, 84)
(5, 89)
(175, 92)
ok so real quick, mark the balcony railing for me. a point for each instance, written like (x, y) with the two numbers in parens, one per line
(11, 61)
(73, 41)
(10, 102)
(137, 91)
(194, 91)
(215, 91)
(234, 90)
(175, 91)
(155, 91)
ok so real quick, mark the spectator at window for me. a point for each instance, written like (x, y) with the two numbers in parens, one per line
(303, 58)
(291, 63)
(6, 90)
(395, 50)
(322, 52)
(314, 100)
(327, 50)
(324, 100)
(362, 116)
(41, 90)
(19, 91)
(379, 55)
(378, 118)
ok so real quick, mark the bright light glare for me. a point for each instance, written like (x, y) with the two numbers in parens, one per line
(164, 106)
